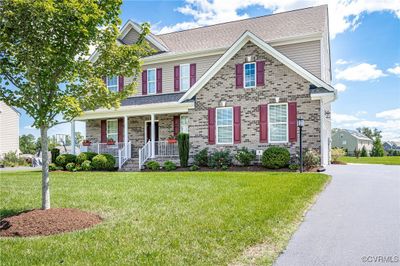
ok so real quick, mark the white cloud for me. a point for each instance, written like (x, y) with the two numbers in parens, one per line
(390, 114)
(340, 87)
(361, 113)
(341, 118)
(395, 70)
(360, 72)
(342, 62)
(343, 15)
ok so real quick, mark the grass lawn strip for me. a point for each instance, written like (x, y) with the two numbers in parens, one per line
(387, 160)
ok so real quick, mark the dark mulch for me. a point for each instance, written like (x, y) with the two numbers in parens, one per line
(339, 162)
(253, 168)
(47, 222)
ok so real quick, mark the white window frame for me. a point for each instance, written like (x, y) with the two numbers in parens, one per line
(114, 120)
(116, 87)
(216, 125)
(181, 76)
(244, 75)
(155, 81)
(286, 122)
(180, 123)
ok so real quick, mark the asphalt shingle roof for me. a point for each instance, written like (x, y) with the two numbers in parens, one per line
(157, 98)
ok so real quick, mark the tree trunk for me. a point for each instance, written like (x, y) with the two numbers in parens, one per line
(45, 169)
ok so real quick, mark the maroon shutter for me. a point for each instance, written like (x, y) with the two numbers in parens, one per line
(120, 83)
(263, 122)
(177, 124)
(192, 74)
(176, 78)
(159, 80)
(239, 76)
(144, 82)
(236, 124)
(120, 130)
(260, 73)
(211, 126)
(292, 110)
(103, 131)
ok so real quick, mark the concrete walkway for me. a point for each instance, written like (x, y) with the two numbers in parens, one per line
(20, 168)
(354, 221)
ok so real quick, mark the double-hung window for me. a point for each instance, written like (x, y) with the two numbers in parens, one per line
(184, 77)
(151, 81)
(278, 122)
(112, 129)
(249, 75)
(184, 128)
(112, 83)
(224, 125)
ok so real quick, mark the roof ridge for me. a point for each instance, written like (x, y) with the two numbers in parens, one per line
(240, 20)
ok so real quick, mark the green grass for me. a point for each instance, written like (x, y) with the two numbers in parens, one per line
(161, 218)
(389, 160)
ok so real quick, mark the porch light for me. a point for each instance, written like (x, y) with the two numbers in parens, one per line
(277, 99)
(248, 58)
(222, 103)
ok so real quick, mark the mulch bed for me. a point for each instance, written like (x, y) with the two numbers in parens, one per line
(253, 168)
(47, 222)
(339, 162)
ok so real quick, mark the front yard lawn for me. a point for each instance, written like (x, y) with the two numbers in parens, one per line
(205, 218)
(389, 160)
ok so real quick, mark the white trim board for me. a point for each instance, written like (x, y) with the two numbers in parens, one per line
(234, 49)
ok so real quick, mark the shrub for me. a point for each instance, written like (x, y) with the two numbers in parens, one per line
(294, 166)
(377, 148)
(78, 168)
(201, 158)
(86, 165)
(245, 157)
(364, 152)
(59, 168)
(219, 159)
(336, 153)
(194, 168)
(275, 157)
(52, 167)
(357, 153)
(311, 159)
(83, 156)
(110, 161)
(70, 166)
(153, 165)
(183, 145)
(63, 159)
(169, 166)
(54, 154)
(11, 159)
(224, 167)
(103, 162)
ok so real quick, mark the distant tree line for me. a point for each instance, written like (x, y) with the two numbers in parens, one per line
(28, 144)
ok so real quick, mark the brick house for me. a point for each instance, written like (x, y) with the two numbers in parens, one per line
(230, 85)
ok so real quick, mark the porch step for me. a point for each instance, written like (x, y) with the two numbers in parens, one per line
(132, 165)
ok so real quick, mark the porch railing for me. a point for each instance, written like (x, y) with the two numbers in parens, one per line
(124, 154)
(117, 150)
(144, 154)
(166, 149)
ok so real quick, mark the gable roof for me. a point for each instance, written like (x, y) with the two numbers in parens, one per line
(355, 134)
(246, 37)
(279, 26)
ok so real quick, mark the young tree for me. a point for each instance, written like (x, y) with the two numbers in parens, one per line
(377, 148)
(364, 152)
(27, 144)
(370, 133)
(45, 67)
(357, 153)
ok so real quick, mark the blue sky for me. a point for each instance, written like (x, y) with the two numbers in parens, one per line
(365, 51)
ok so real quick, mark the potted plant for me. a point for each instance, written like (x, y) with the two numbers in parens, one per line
(86, 142)
(171, 139)
(110, 142)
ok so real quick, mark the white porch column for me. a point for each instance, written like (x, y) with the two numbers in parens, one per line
(73, 137)
(153, 136)
(126, 136)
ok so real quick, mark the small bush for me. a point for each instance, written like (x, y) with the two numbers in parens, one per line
(183, 146)
(78, 168)
(194, 168)
(153, 165)
(169, 166)
(11, 159)
(311, 159)
(54, 154)
(364, 152)
(219, 159)
(294, 166)
(110, 161)
(64, 159)
(201, 158)
(357, 153)
(59, 168)
(245, 157)
(86, 165)
(83, 156)
(275, 157)
(52, 167)
(70, 166)
(99, 162)
(224, 167)
(336, 153)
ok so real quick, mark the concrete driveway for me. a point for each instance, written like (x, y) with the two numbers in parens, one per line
(355, 221)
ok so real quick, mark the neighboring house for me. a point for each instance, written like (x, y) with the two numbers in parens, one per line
(230, 85)
(391, 145)
(351, 140)
(9, 129)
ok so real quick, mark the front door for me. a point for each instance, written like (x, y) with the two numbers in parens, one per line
(148, 130)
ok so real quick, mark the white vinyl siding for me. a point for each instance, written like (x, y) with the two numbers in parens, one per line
(249, 75)
(112, 83)
(184, 77)
(112, 129)
(9, 129)
(278, 123)
(224, 125)
(151, 81)
(184, 122)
